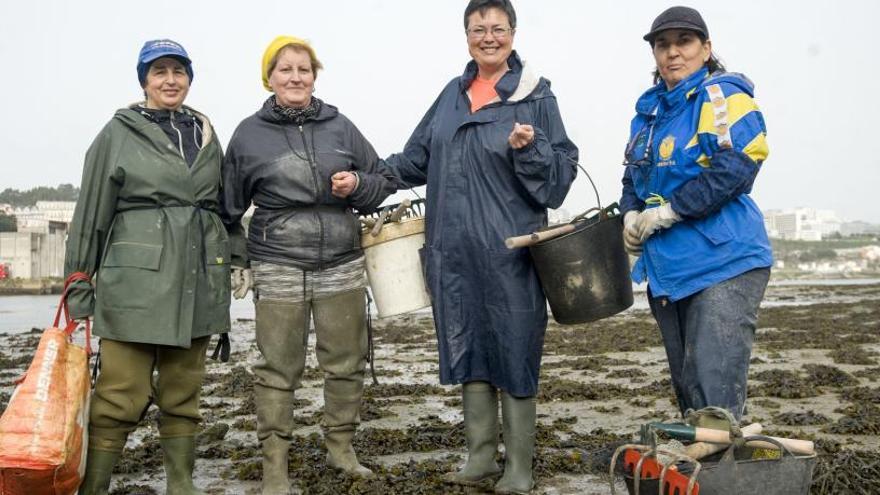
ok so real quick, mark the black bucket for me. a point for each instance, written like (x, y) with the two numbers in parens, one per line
(586, 274)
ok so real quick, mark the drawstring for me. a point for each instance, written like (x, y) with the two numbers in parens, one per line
(371, 354)
(179, 135)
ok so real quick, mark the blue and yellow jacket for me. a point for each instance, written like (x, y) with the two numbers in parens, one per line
(698, 146)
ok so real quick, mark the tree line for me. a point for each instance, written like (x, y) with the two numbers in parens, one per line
(19, 199)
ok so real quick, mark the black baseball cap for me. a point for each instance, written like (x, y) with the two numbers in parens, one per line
(678, 18)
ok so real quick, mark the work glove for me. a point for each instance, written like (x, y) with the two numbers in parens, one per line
(242, 281)
(631, 240)
(654, 219)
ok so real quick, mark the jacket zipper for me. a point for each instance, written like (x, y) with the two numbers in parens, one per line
(314, 168)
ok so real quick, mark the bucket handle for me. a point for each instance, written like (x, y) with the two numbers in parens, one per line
(603, 211)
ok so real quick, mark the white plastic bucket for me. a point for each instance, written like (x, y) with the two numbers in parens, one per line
(393, 266)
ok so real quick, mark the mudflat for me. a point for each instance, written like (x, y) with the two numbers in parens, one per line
(814, 375)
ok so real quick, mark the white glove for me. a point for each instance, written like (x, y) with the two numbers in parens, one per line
(654, 219)
(631, 240)
(242, 281)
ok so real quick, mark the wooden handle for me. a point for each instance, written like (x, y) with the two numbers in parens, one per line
(804, 447)
(703, 449)
(401, 208)
(379, 223)
(536, 237)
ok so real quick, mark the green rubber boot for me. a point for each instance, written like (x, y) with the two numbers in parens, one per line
(340, 422)
(276, 480)
(480, 407)
(99, 467)
(180, 459)
(518, 419)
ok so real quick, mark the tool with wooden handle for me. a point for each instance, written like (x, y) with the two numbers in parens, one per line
(400, 210)
(695, 433)
(536, 237)
(703, 449)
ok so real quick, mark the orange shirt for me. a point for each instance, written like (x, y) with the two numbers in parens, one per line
(482, 92)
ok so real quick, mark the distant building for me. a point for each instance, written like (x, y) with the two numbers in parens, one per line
(859, 228)
(46, 217)
(31, 255)
(806, 224)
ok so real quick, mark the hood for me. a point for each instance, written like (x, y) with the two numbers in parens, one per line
(521, 81)
(137, 122)
(647, 103)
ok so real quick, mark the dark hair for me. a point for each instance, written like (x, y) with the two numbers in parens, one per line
(482, 6)
(713, 64)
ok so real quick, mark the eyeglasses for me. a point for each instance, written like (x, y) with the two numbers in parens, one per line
(479, 32)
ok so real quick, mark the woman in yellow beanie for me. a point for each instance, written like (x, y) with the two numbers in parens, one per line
(305, 167)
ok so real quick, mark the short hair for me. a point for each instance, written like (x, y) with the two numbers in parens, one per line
(297, 47)
(482, 6)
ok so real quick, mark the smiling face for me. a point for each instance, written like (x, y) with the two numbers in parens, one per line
(490, 40)
(293, 78)
(167, 84)
(679, 53)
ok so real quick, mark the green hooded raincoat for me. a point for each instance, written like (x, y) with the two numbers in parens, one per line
(147, 231)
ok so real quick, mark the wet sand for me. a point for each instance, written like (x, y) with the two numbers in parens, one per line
(814, 375)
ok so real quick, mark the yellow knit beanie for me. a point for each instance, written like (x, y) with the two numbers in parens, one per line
(276, 45)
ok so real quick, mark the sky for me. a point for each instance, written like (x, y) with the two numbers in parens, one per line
(68, 65)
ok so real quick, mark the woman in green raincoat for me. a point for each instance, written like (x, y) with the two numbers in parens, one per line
(147, 232)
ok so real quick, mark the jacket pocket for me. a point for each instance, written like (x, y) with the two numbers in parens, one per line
(134, 255)
(130, 278)
(217, 268)
(714, 228)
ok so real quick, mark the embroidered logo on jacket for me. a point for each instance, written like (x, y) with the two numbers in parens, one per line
(667, 146)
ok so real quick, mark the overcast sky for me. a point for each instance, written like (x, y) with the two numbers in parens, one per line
(68, 65)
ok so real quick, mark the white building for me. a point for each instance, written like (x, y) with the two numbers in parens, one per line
(33, 255)
(807, 224)
(44, 217)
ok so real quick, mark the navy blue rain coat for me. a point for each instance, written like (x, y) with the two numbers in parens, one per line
(489, 308)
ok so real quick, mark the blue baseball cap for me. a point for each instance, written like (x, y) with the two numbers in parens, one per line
(156, 49)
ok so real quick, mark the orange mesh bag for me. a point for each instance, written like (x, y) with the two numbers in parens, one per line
(43, 430)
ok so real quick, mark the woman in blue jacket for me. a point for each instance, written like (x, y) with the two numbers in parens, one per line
(696, 144)
(494, 154)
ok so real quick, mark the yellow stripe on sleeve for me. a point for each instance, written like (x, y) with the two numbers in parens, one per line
(757, 149)
(738, 106)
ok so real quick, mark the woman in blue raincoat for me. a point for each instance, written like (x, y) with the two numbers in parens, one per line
(494, 154)
(696, 145)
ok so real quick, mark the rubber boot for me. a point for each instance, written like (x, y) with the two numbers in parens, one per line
(99, 467)
(282, 333)
(341, 348)
(480, 407)
(180, 459)
(338, 438)
(518, 420)
(276, 480)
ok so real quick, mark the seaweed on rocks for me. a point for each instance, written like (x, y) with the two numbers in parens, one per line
(828, 376)
(560, 389)
(237, 383)
(627, 373)
(862, 394)
(847, 471)
(598, 364)
(144, 457)
(870, 373)
(212, 434)
(405, 389)
(431, 433)
(785, 384)
(806, 418)
(121, 488)
(857, 419)
(853, 354)
(632, 332)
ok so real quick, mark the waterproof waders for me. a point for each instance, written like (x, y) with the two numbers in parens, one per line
(480, 407)
(282, 336)
(518, 419)
(125, 389)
